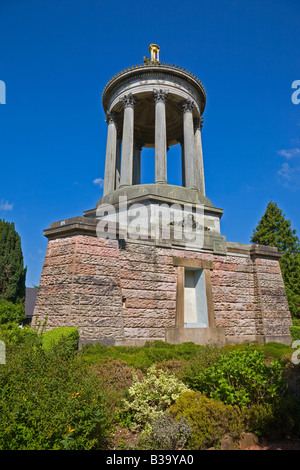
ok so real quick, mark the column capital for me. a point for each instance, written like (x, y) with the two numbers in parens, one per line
(160, 95)
(112, 118)
(187, 105)
(198, 123)
(128, 100)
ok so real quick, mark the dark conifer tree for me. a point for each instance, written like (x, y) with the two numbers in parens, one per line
(12, 271)
(275, 230)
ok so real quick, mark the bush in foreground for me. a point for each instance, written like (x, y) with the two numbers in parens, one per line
(241, 378)
(115, 377)
(69, 335)
(50, 401)
(12, 334)
(209, 419)
(168, 433)
(151, 396)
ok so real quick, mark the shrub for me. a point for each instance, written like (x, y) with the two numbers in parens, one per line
(201, 360)
(209, 419)
(50, 401)
(259, 418)
(12, 334)
(53, 337)
(170, 434)
(295, 333)
(275, 421)
(10, 312)
(241, 377)
(151, 396)
(116, 373)
(174, 366)
(115, 377)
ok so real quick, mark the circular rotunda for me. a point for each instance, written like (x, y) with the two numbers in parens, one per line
(153, 105)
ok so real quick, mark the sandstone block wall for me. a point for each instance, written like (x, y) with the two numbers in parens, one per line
(125, 293)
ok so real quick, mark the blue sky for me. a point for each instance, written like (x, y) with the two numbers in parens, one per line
(56, 56)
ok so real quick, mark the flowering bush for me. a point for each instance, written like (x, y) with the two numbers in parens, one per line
(170, 434)
(151, 396)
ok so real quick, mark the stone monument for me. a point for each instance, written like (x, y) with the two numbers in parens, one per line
(149, 262)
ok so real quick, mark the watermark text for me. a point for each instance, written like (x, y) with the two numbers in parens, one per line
(163, 222)
(2, 92)
(296, 94)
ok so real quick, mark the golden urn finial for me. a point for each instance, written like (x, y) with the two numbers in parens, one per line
(154, 51)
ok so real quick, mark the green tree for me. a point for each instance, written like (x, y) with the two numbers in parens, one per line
(12, 271)
(275, 230)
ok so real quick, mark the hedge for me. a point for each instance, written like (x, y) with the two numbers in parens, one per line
(67, 334)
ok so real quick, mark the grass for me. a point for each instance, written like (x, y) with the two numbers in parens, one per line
(142, 357)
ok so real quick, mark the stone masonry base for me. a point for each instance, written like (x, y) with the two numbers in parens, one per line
(127, 293)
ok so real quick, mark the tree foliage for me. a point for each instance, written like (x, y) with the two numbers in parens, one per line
(10, 312)
(275, 230)
(12, 271)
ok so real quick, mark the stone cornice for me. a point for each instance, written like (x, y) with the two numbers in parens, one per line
(73, 226)
(262, 251)
(151, 70)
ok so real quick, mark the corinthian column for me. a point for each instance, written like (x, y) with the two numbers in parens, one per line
(160, 97)
(118, 158)
(188, 141)
(129, 102)
(199, 169)
(182, 162)
(111, 151)
(137, 163)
